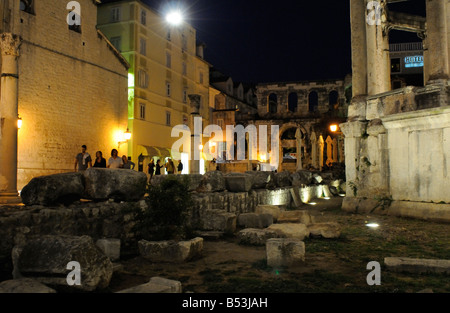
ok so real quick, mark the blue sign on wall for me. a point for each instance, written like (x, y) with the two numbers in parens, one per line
(414, 61)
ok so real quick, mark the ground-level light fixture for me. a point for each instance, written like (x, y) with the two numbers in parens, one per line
(372, 225)
(174, 18)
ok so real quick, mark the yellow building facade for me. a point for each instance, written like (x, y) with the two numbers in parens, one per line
(166, 67)
(72, 87)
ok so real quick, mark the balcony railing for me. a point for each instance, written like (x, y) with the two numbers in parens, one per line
(409, 46)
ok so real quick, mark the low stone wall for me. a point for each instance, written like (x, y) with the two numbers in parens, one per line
(434, 212)
(114, 219)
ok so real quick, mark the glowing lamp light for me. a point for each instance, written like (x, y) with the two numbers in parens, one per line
(200, 147)
(127, 135)
(19, 122)
(373, 225)
(333, 128)
(312, 203)
(174, 18)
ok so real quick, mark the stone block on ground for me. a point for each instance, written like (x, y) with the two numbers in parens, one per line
(171, 251)
(274, 210)
(253, 220)
(193, 180)
(238, 183)
(212, 182)
(60, 188)
(46, 258)
(301, 178)
(325, 230)
(285, 252)
(283, 179)
(110, 247)
(156, 285)
(117, 184)
(262, 180)
(421, 266)
(24, 285)
(256, 237)
(297, 231)
(298, 216)
(218, 220)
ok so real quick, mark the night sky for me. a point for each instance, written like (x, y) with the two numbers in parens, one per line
(285, 40)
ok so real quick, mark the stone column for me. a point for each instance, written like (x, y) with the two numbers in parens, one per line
(298, 137)
(378, 59)
(353, 132)
(194, 165)
(359, 44)
(335, 151)
(329, 142)
(314, 162)
(8, 117)
(321, 147)
(437, 40)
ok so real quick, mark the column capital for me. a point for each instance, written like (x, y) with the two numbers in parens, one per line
(9, 44)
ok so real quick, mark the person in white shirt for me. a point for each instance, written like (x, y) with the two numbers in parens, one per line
(115, 161)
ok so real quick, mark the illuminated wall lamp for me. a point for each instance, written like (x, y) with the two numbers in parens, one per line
(126, 137)
(19, 122)
(333, 128)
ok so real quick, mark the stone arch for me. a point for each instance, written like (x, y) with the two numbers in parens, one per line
(293, 102)
(313, 101)
(333, 100)
(273, 103)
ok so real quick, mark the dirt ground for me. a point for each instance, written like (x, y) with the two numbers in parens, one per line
(331, 266)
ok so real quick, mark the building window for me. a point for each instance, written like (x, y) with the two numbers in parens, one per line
(115, 14)
(220, 123)
(201, 78)
(143, 79)
(184, 69)
(168, 117)
(396, 65)
(169, 35)
(183, 42)
(144, 17)
(142, 112)
(143, 46)
(168, 60)
(230, 89)
(185, 120)
(116, 41)
(185, 96)
(27, 6)
(168, 90)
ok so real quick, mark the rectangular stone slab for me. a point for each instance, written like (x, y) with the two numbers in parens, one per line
(417, 265)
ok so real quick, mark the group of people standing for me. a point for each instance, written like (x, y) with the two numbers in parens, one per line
(83, 161)
(155, 169)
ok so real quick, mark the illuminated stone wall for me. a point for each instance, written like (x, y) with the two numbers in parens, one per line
(72, 89)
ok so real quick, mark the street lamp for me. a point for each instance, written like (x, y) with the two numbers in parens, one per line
(174, 18)
(127, 135)
(334, 128)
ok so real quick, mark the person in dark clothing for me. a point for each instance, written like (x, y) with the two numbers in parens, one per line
(158, 168)
(151, 169)
(180, 167)
(100, 161)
